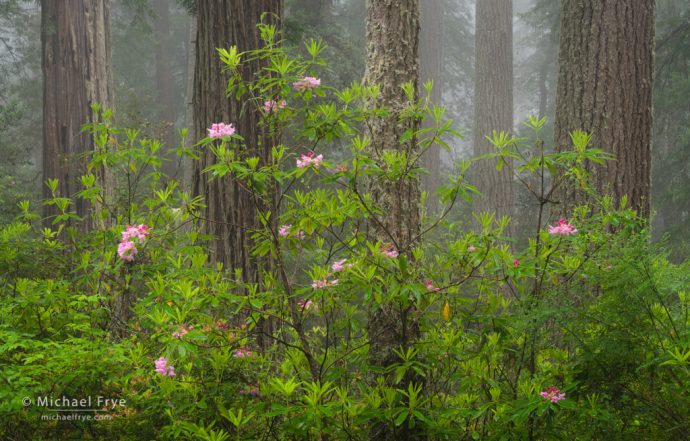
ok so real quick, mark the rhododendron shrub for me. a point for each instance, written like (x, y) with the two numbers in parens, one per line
(579, 333)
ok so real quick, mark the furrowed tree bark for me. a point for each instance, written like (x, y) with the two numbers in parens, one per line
(606, 72)
(431, 69)
(392, 61)
(75, 40)
(231, 213)
(493, 102)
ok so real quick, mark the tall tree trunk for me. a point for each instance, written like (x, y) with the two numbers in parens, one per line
(231, 210)
(167, 111)
(606, 72)
(543, 90)
(392, 61)
(75, 39)
(493, 101)
(431, 69)
(187, 165)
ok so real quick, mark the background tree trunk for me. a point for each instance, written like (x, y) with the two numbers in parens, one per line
(232, 211)
(75, 39)
(431, 69)
(493, 102)
(192, 136)
(230, 214)
(167, 111)
(606, 71)
(392, 61)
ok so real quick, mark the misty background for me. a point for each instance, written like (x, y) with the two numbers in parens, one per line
(152, 56)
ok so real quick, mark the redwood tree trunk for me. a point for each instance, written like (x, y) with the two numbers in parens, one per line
(164, 79)
(606, 71)
(493, 101)
(431, 69)
(75, 39)
(231, 211)
(392, 61)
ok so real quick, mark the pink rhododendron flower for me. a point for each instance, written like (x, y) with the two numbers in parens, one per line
(182, 331)
(242, 352)
(218, 130)
(127, 250)
(563, 228)
(307, 305)
(271, 106)
(163, 368)
(309, 160)
(284, 231)
(306, 83)
(340, 265)
(553, 394)
(389, 251)
(140, 232)
(516, 262)
(430, 285)
(323, 283)
(471, 249)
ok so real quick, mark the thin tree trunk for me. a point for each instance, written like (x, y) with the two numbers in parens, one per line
(75, 39)
(543, 90)
(192, 136)
(431, 69)
(392, 61)
(606, 72)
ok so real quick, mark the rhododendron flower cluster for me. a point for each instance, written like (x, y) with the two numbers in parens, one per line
(323, 283)
(271, 106)
(242, 352)
(563, 228)
(430, 285)
(218, 130)
(163, 368)
(337, 266)
(127, 248)
(309, 160)
(182, 331)
(553, 394)
(471, 248)
(340, 265)
(306, 83)
(284, 231)
(307, 305)
(389, 251)
(516, 262)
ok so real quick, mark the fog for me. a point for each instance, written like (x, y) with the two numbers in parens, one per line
(152, 64)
